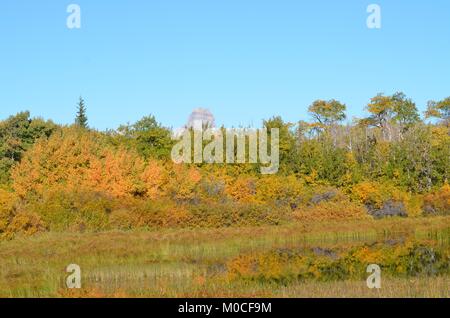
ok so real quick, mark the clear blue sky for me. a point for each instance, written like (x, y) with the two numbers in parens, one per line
(244, 59)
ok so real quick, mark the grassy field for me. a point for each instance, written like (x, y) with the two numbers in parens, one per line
(196, 262)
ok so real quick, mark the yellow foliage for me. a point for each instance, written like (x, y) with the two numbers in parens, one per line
(370, 256)
(368, 193)
(379, 104)
(312, 178)
(242, 189)
(279, 190)
(376, 194)
(440, 135)
(7, 201)
(243, 265)
(383, 148)
(340, 208)
(26, 223)
(13, 222)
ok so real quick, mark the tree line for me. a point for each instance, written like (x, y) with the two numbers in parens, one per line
(393, 159)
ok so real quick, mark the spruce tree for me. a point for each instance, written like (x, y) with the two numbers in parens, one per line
(81, 119)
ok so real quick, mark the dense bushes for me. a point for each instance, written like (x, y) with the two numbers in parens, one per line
(72, 209)
(325, 206)
(79, 211)
(7, 202)
(79, 159)
(73, 178)
(384, 199)
(438, 202)
(229, 214)
(77, 180)
(25, 223)
(16, 220)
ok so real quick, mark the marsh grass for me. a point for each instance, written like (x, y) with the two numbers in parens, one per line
(192, 263)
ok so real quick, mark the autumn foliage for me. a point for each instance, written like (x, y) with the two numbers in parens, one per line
(55, 178)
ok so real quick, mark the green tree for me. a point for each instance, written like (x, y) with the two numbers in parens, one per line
(17, 134)
(439, 110)
(327, 115)
(327, 112)
(287, 140)
(81, 119)
(404, 110)
(387, 111)
(149, 137)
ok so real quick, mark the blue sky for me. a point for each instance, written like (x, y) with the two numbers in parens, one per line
(245, 60)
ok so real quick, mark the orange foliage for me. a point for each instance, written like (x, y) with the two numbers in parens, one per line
(438, 202)
(78, 159)
(153, 178)
(182, 182)
(116, 173)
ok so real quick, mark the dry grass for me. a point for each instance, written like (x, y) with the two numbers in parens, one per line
(431, 287)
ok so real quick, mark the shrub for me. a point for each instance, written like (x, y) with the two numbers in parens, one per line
(336, 207)
(7, 208)
(438, 203)
(213, 189)
(242, 189)
(73, 210)
(121, 219)
(280, 190)
(370, 193)
(150, 213)
(384, 199)
(182, 183)
(25, 223)
(236, 214)
(14, 221)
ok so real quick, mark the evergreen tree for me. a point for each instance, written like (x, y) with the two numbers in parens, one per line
(81, 120)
